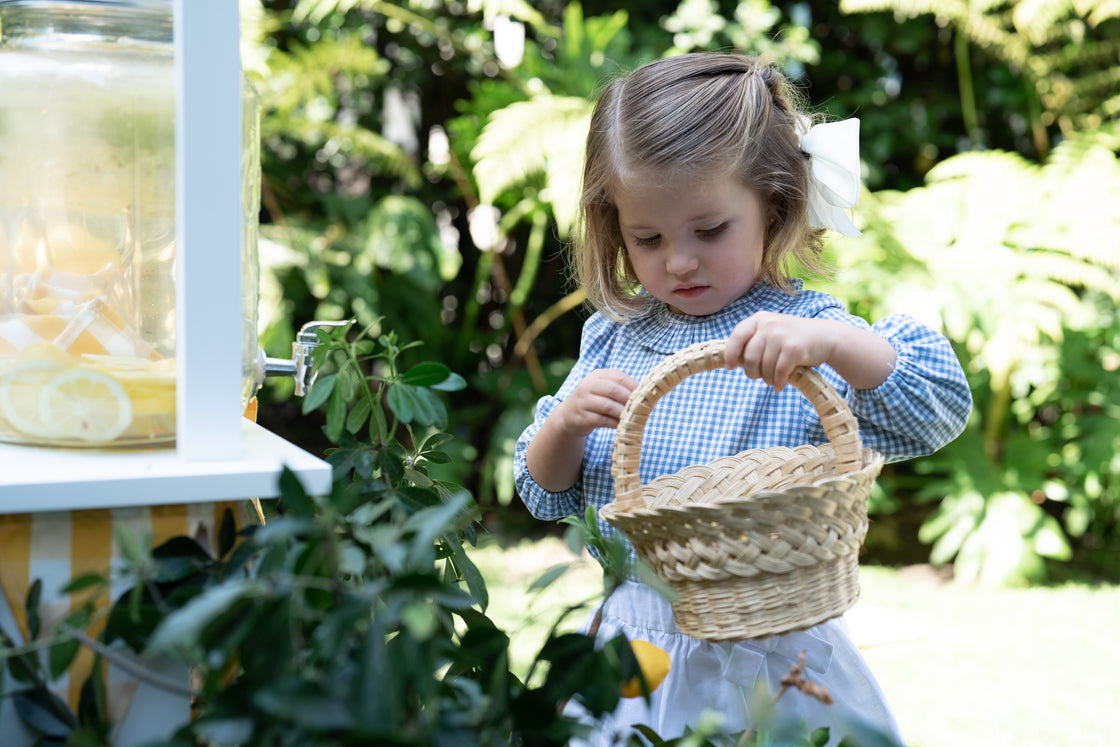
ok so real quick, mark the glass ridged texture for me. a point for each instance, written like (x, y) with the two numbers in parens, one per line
(87, 224)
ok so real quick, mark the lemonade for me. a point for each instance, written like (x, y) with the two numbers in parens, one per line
(88, 239)
(48, 396)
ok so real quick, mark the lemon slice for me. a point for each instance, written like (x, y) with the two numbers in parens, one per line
(46, 351)
(20, 387)
(151, 392)
(85, 405)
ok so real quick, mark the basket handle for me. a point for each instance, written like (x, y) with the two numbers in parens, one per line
(839, 424)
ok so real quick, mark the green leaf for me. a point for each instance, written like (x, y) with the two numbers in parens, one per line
(44, 712)
(91, 703)
(378, 698)
(453, 383)
(133, 551)
(280, 530)
(293, 498)
(482, 645)
(579, 667)
(227, 533)
(85, 581)
(24, 667)
(183, 627)
(417, 404)
(546, 578)
(320, 391)
(476, 583)
(419, 620)
(429, 410)
(308, 710)
(87, 736)
(430, 523)
(336, 415)
(437, 457)
(401, 400)
(426, 374)
(62, 654)
(359, 413)
(31, 607)
(345, 383)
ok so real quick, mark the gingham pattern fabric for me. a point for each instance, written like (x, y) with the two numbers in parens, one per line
(922, 405)
(74, 312)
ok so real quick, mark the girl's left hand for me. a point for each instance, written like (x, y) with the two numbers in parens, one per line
(770, 346)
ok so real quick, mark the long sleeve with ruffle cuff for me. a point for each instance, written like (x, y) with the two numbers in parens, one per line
(543, 504)
(924, 403)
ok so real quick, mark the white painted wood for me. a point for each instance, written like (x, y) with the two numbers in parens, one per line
(208, 228)
(40, 479)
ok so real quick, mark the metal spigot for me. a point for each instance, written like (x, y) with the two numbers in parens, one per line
(299, 367)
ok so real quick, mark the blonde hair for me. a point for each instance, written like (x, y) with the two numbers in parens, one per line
(696, 114)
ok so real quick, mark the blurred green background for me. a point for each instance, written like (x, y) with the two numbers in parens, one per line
(421, 161)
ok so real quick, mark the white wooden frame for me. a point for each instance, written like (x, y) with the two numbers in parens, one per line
(218, 454)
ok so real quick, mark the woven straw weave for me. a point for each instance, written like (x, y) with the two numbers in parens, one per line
(763, 542)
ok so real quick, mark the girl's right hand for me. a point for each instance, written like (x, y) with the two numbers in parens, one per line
(596, 402)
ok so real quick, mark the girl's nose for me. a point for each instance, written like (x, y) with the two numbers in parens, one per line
(681, 261)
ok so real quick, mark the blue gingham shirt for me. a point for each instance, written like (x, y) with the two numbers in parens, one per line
(923, 404)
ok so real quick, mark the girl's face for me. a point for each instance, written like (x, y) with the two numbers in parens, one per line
(696, 244)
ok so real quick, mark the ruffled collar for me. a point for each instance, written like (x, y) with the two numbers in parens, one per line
(662, 331)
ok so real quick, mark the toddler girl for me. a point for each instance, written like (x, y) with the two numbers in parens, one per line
(702, 187)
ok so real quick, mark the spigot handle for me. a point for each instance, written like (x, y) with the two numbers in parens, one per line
(307, 334)
(299, 367)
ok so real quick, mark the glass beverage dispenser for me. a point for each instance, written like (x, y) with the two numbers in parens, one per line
(87, 224)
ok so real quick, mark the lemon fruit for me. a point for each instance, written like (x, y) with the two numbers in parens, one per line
(84, 405)
(654, 664)
(150, 384)
(20, 387)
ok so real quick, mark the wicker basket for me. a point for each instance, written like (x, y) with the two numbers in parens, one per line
(756, 544)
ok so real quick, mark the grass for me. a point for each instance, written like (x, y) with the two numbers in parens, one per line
(962, 666)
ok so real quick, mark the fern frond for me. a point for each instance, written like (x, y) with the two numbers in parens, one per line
(382, 155)
(1036, 18)
(314, 11)
(1101, 81)
(1070, 271)
(542, 135)
(906, 8)
(995, 32)
(306, 72)
(1098, 11)
(988, 165)
(1059, 45)
(1042, 322)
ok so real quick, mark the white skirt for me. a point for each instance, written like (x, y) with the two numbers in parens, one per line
(729, 679)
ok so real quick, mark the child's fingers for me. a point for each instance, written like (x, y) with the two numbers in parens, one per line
(618, 385)
(599, 401)
(772, 369)
(736, 345)
(784, 364)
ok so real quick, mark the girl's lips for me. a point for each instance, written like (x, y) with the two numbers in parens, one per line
(690, 291)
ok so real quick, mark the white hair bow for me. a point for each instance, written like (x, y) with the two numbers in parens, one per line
(833, 148)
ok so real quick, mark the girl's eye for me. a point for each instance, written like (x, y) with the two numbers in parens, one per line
(647, 240)
(711, 233)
